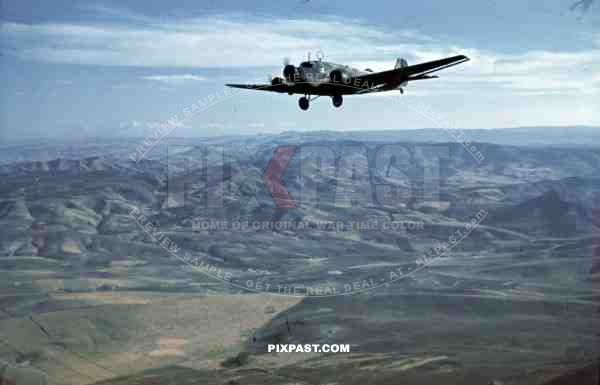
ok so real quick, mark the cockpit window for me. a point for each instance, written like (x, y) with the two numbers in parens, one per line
(306, 64)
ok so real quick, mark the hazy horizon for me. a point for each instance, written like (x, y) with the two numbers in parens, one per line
(80, 70)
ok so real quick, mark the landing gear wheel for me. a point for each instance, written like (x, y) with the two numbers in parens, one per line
(337, 101)
(303, 103)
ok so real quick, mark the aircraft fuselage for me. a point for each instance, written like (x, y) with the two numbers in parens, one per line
(317, 71)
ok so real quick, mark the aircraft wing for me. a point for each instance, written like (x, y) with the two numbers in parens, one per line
(419, 71)
(369, 82)
(306, 88)
(415, 72)
(283, 87)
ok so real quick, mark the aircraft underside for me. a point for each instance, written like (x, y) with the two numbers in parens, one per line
(304, 102)
(314, 90)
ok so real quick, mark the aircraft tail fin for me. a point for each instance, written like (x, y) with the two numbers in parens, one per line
(400, 63)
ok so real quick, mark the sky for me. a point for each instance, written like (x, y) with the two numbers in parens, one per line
(83, 69)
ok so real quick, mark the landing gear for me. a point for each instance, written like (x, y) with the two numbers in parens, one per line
(401, 91)
(337, 101)
(303, 103)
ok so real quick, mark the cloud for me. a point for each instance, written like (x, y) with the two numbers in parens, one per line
(583, 5)
(244, 41)
(211, 41)
(256, 125)
(122, 86)
(555, 72)
(175, 79)
(145, 126)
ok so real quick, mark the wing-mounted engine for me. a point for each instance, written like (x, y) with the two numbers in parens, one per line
(339, 76)
(276, 80)
(290, 72)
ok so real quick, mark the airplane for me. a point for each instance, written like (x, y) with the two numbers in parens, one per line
(322, 78)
